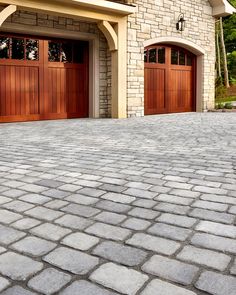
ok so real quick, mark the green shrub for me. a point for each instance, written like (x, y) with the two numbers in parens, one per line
(221, 90)
(220, 105)
(228, 105)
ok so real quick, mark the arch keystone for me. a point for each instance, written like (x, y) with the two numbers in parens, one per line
(110, 34)
(6, 12)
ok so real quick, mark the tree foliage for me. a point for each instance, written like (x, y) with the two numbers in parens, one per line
(230, 42)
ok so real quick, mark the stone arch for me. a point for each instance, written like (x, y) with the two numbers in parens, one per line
(195, 49)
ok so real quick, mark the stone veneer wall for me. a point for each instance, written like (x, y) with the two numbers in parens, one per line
(68, 24)
(157, 18)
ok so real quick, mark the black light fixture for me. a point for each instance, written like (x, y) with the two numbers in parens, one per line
(180, 25)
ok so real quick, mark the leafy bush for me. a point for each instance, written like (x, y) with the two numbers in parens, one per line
(221, 90)
(228, 105)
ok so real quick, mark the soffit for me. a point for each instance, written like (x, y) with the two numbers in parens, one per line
(222, 8)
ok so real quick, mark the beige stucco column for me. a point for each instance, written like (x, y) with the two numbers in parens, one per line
(119, 72)
(116, 36)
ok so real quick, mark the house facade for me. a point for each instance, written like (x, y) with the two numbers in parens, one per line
(98, 58)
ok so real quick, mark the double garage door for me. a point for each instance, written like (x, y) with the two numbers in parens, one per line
(169, 80)
(42, 78)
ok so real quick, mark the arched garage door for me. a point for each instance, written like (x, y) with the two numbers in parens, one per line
(42, 78)
(170, 74)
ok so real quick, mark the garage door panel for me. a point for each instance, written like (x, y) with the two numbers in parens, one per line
(19, 93)
(154, 91)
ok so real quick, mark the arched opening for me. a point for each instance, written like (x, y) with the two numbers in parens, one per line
(173, 83)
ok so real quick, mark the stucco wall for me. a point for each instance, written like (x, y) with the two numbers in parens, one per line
(157, 18)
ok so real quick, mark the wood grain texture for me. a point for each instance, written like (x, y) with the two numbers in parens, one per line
(40, 90)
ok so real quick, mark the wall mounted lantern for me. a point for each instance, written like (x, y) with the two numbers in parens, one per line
(180, 25)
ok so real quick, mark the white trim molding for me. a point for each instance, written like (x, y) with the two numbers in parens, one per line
(222, 8)
(6, 12)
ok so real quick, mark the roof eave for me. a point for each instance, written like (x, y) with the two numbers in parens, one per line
(222, 8)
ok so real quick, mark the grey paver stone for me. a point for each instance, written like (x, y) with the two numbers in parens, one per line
(7, 216)
(179, 185)
(33, 188)
(119, 278)
(112, 206)
(152, 243)
(118, 198)
(185, 193)
(81, 199)
(232, 210)
(212, 216)
(81, 210)
(112, 188)
(85, 288)
(177, 220)
(136, 223)
(218, 199)
(108, 231)
(35, 198)
(163, 288)
(210, 205)
(138, 185)
(2, 250)
(233, 268)
(4, 283)
(214, 242)
(119, 253)
(44, 213)
(25, 223)
(4, 200)
(210, 190)
(56, 204)
(18, 206)
(73, 222)
(18, 267)
(17, 290)
(172, 208)
(69, 187)
(49, 183)
(144, 203)
(72, 260)
(208, 258)
(9, 235)
(56, 194)
(50, 231)
(92, 192)
(174, 199)
(140, 193)
(217, 229)
(144, 213)
(110, 217)
(80, 241)
(49, 281)
(170, 269)
(217, 284)
(170, 231)
(33, 246)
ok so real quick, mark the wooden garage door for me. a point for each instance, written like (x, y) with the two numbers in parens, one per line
(169, 80)
(42, 78)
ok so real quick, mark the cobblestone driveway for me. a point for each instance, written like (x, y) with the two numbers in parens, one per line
(100, 207)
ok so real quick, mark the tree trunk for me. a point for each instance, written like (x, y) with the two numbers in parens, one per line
(218, 58)
(226, 73)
